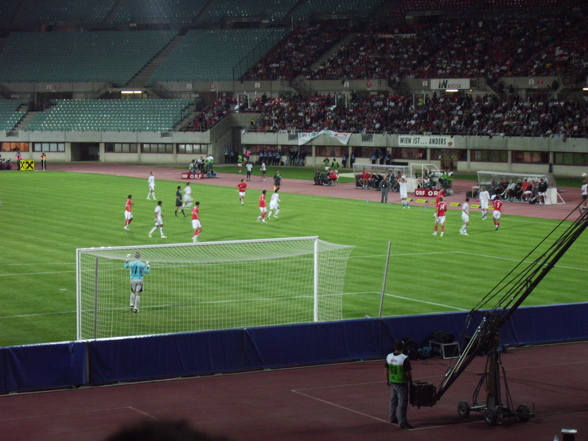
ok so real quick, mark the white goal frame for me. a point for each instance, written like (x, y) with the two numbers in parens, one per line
(304, 277)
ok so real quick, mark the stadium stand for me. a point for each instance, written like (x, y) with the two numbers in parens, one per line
(157, 11)
(211, 115)
(509, 6)
(111, 115)
(114, 56)
(10, 114)
(191, 60)
(451, 7)
(295, 53)
(65, 11)
(353, 8)
(487, 116)
(372, 64)
(384, 53)
(272, 11)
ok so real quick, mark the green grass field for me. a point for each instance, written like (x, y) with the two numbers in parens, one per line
(46, 216)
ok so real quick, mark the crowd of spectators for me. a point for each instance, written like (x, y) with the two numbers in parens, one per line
(437, 115)
(493, 47)
(384, 52)
(296, 52)
(211, 115)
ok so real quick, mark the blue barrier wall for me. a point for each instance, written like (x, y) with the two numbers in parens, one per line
(104, 361)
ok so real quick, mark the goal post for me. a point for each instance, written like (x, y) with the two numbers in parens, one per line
(210, 286)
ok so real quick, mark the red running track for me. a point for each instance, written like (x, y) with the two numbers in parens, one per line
(345, 402)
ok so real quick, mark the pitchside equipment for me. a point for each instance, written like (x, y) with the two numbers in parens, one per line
(211, 285)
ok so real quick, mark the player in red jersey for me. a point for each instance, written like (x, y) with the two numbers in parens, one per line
(128, 212)
(497, 204)
(262, 207)
(242, 188)
(440, 194)
(440, 216)
(196, 222)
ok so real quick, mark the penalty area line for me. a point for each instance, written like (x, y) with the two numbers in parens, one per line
(426, 302)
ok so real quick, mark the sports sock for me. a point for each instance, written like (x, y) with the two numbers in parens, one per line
(161, 231)
(152, 230)
(132, 299)
(137, 300)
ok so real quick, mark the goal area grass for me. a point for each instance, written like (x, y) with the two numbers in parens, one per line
(46, 216)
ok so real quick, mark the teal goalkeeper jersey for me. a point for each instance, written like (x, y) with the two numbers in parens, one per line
(137, 269)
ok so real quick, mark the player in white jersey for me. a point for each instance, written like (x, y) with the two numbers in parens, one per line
(187, 199)
(584, 194)
(403, 191)
(484, 198)
(274, 205)
(465, 217)
(158, 221)
(151, 183)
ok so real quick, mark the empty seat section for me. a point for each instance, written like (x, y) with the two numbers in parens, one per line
(114, 56)
(9, 114)
(210, 55)
(76, 11)
(111, 115)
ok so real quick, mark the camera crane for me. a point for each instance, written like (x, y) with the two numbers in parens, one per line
(511, 292)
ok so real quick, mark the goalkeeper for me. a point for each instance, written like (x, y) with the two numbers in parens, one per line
(138, 269)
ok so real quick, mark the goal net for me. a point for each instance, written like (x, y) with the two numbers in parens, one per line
(210, 286)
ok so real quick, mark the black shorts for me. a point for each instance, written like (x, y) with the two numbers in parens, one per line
(584, 197)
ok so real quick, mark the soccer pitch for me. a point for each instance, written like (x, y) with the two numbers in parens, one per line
(46, 216)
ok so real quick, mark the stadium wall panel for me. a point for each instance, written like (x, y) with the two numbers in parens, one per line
(45, 366)
(141, 358)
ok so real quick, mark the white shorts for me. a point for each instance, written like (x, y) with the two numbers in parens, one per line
(484, 205)
(152, 187)
(128, 215)
(440, 219)
(496, 214)
(263, 209)
(196, 223)
(403, 194)
(465, 217)
(158, 221)
(241, 194)
(274, 207)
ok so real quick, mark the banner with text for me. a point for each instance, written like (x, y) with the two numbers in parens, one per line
(342, 137)
(425, 141)
(453, 83)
